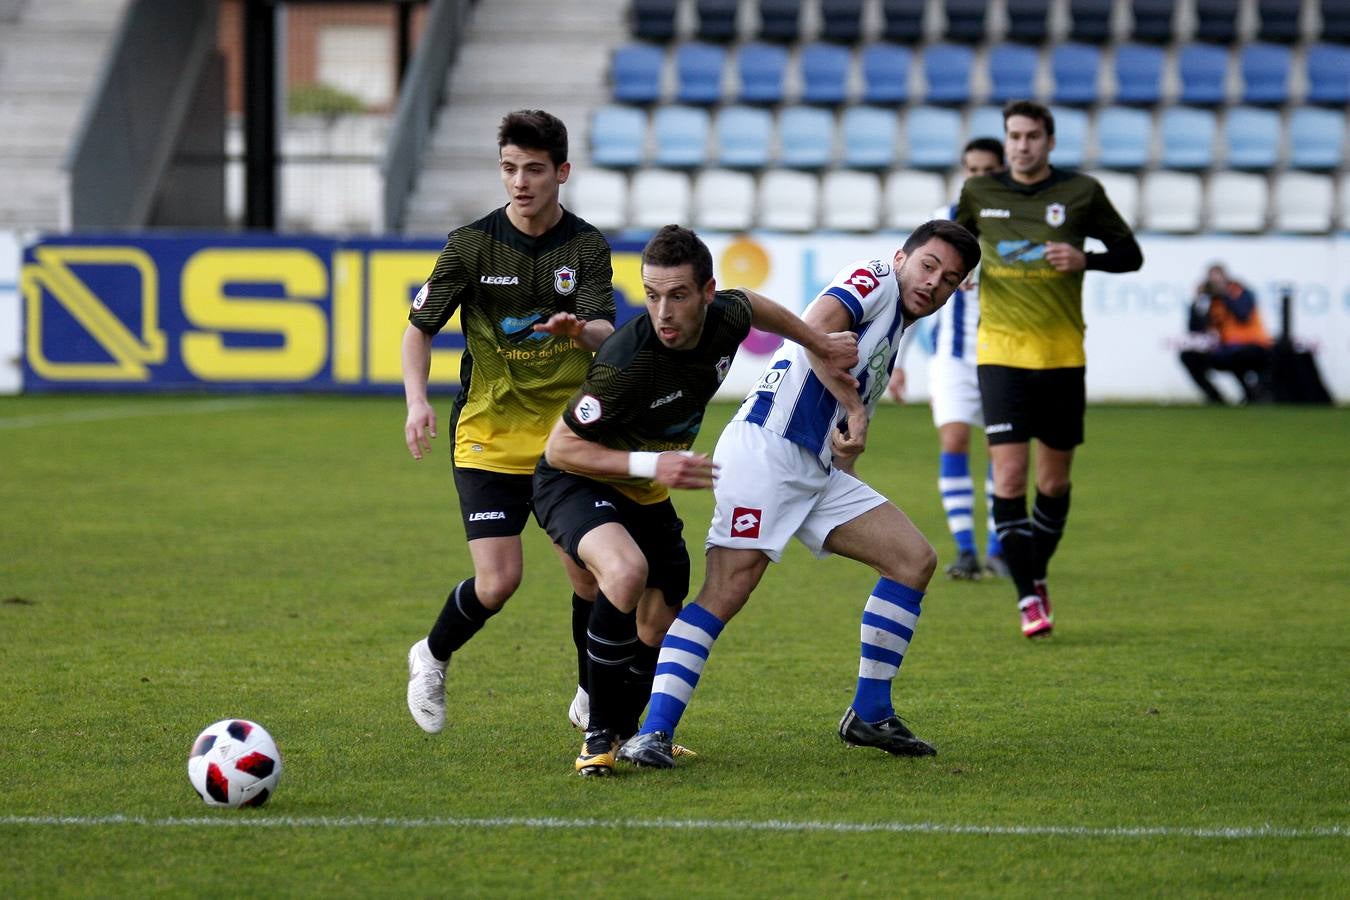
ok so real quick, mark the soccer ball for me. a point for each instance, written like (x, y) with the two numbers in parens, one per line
(234, 763)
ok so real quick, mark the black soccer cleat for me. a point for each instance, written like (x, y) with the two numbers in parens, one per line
(890, 734)
(654, 750)
(997, 567)
(966, 567)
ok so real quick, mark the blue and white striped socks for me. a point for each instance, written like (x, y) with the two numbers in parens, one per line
(684, 652)
(888, 623)
(958, 498)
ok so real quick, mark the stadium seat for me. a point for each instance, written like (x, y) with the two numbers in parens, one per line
(680, 134)
(985, 121)
(1091, 21)
(824, 69)
(946, 68)
(1265, 74)
(933, 137)
(1027, 21)
(1316, 138)
(1216, 21)
(618, 136)
(1152, 20)
(1075, 68)
(1328, 75)
(1251, 138)
(600, 196)
(1303, 202)
(1187, 138)
(1343, 195)
(1335, 21)
(636, 73)
(1071, 131)
(1279, 20)
(909, 198)
(788, 200)
(743, 136)
(965, 20)
(1124, 138)
(1012, 72)
(724, 200)
(1123, 192)
(1204, 72)
(780, 20)
(659, 197)
(904, 20)
(1236, 202)
(841, 20)
(869, 136)
(805, 138)
(761, 67)
(717, 20)
(698, 72)
(850, 201)
(1171, 201)
(885, 73)
(654, 20)
(1139, 74)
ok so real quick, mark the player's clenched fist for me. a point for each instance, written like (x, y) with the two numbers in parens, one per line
(685, 470)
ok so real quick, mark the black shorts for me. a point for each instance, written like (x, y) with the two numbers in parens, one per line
(493, 504)
(570, 506)
(1021, 404)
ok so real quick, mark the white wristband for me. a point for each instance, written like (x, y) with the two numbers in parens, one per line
(642, 464)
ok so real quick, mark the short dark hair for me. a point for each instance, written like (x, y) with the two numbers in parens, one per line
(674, 246)
(952, 233)
(1032, 110)
(534, 129)
(985, 145)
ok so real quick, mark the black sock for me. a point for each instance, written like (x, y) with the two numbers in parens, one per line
(611, 643)
(1014, 533)
(638, 688)
(459, 620)
(1048, 517)
(581, 617)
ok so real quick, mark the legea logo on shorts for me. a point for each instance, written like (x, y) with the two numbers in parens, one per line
(998, 428)
(745, 522)
(489, 516)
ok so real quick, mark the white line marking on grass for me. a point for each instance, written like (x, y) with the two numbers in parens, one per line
(258, 820)
(113, 413)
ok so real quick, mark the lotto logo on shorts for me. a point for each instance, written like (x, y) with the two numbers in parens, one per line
(745, 522)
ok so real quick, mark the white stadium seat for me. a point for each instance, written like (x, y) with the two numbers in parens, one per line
(1237, 201)
(911, 197)
(788, 200)
(659, 197)
(724, 200)
(850, 201)
(1171, 201)
(1344, 198)
(1122, 189)
(1303, 202)
(600, 196)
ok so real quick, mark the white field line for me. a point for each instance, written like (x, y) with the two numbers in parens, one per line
(149, 410)
(255, 820)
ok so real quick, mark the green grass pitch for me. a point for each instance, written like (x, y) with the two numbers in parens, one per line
(169, 561)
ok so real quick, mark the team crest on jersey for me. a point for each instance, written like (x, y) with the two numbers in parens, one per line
(879, 268)
(588, 409)
(1054, 215)
(421, 299)
(564, 280)
(723, 367)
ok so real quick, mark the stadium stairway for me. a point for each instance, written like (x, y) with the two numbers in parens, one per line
(51, 53)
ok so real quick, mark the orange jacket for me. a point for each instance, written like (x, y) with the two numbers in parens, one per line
(1236, 318)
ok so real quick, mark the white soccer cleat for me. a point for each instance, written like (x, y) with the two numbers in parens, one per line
(426, 688)
(580, 710)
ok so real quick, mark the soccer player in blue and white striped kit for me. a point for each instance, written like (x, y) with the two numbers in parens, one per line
(785, 469)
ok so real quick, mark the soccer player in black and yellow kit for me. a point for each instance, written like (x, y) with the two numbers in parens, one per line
(601, 492)
(1032, 221)
(533, 286)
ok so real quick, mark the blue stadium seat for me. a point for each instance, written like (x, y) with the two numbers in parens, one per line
(681, 134)
(1216, 21)
(698, 72)
(1152, 20)
(824, 70)
(743, 137)
(654, 20)
(1139, 74)
(636, 72)
(1265, 74)
(1123, 138)
(841, 20)
(885, 71)
(1328, 75)
(1026, 20)
(762, 67)
(1251, 138)
(985, 121)
(717, 20)
(618, 136)
(780, 20)
(1279, 20)
(1091, 21)
(933, 137)
(904, 20)
(1335, 21)
(1316, 138)
(1012, 72)
(869, 135)
(805, 137)
(1075, 67)
(1204, 70)
(946, 67)
(1071, 127)
(1187, 138)
(965, 20)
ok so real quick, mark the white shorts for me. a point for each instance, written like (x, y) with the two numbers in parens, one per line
(954, 391)
(770, 490)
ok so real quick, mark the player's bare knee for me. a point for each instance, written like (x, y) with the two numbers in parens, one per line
(495, 588)
(912, 563)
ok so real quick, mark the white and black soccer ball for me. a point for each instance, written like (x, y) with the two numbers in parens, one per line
(234, 763)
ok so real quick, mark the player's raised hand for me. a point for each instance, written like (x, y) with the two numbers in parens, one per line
(896, 386)
(690, 471)
(1065, 257)
(848, 445)
(419, 428)
(561, 324)
(840, 349)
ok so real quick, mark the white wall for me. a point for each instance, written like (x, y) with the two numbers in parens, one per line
(11, 340)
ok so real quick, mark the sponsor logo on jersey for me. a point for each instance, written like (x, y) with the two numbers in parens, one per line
(1020, 251)
(879, 268)
(772, 379)
(1054, 215)
(723, 366)
(498, 279)
(668, 398)
(998, 428)
(421, 299)
(491, 515)
(564, 280)
(588, 409)
(519, 329)
(995, 214)
(745, 522)
(863, 281)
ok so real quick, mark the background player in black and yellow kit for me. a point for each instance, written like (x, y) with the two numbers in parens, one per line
(601, 492)
(1032, 221)
(533, 286)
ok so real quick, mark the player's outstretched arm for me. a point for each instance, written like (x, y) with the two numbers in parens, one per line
(836, 347)
(588, 335)
(570, 452)
(420, 426)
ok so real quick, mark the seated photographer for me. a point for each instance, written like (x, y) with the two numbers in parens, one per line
(1227, 336)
